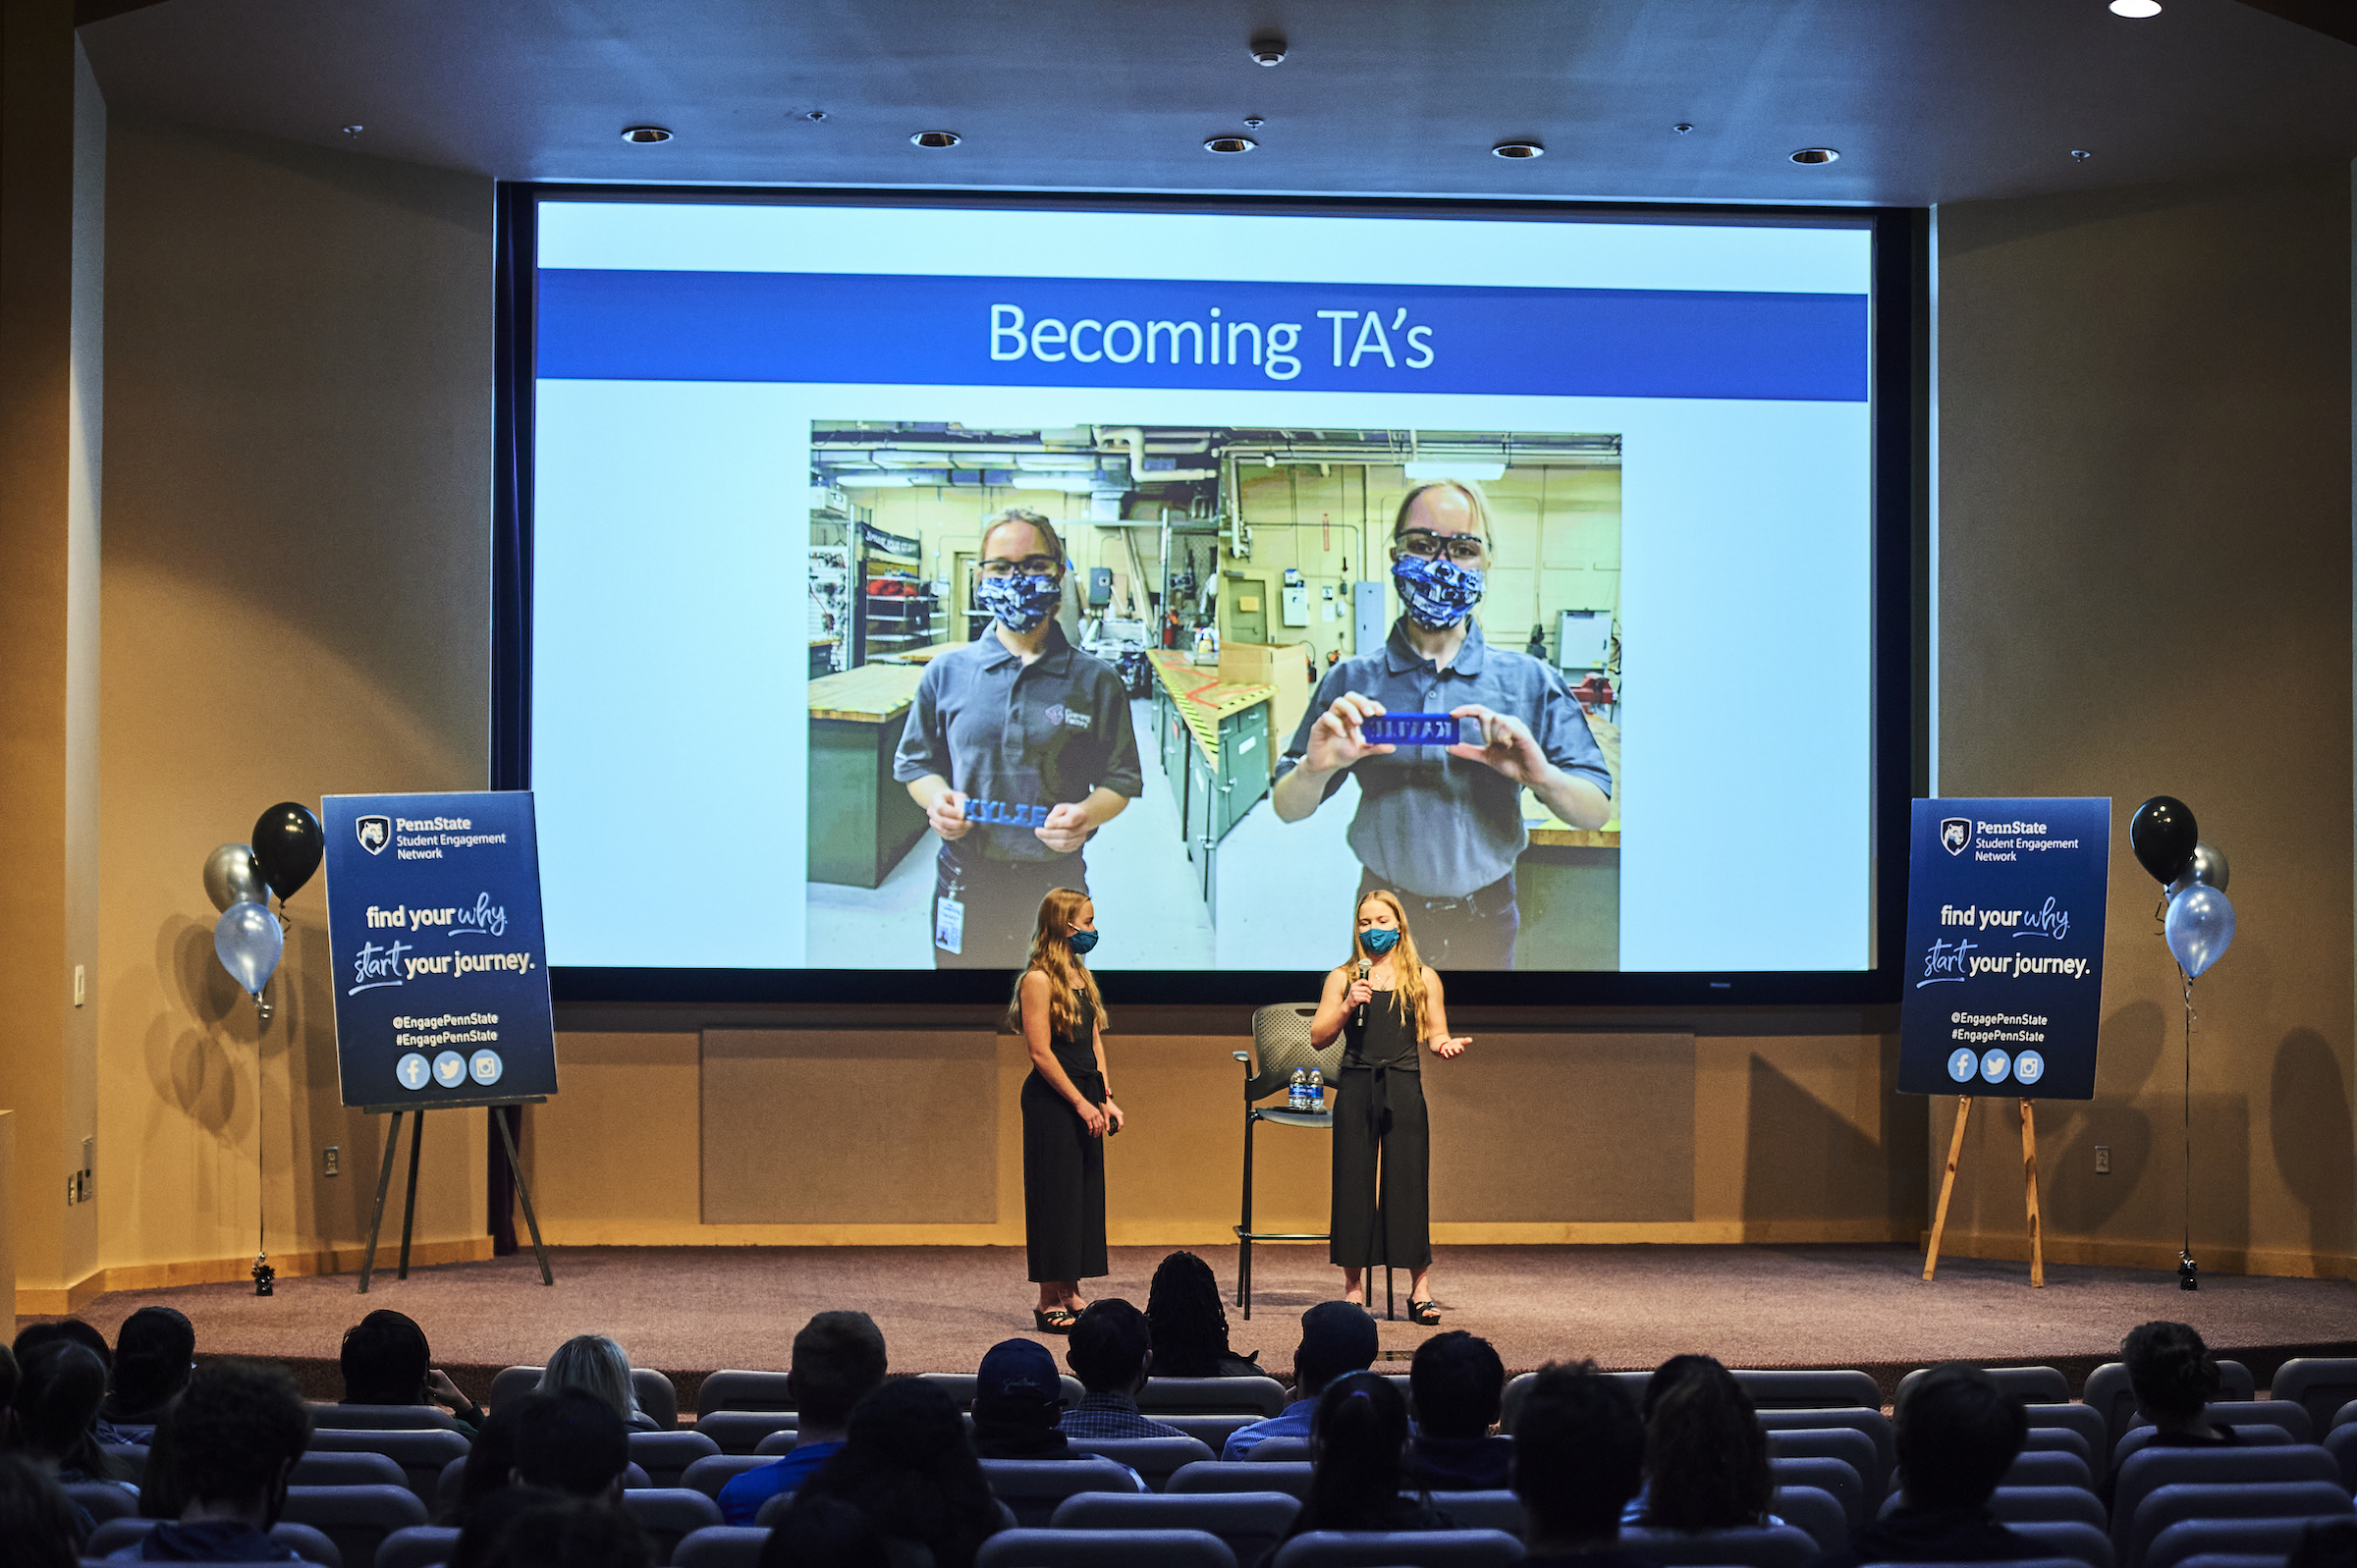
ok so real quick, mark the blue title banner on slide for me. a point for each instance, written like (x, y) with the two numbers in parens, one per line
(441, 962)
(599, 325)
(2003, 970)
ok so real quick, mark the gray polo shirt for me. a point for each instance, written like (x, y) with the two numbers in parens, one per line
(1439, 825)
(1038, 734)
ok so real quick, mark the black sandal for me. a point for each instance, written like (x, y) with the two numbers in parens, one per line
(1426, 1313)
(1060, 1319)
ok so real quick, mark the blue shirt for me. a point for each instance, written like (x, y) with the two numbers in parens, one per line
(1293, 1422)
(1438, 826)
(741, 1498)
(1111, 1417)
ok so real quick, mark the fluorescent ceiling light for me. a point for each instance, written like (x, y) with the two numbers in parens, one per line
(1475, 472)
(2136, 8)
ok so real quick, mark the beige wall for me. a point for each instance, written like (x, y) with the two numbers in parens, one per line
(2145, 589)
(296, 603)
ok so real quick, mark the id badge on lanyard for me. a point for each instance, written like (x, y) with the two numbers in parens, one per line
(949, 921)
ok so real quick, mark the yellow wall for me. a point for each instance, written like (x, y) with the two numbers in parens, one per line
(947, 521)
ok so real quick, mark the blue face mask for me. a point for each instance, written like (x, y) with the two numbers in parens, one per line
(1438, 593)
(1019, 601)
(1380, 939)
(1084, 943)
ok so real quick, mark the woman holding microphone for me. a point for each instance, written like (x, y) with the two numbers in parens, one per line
(1067, 1111)
(1388, 1006)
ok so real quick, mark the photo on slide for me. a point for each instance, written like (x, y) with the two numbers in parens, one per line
(1096, 656)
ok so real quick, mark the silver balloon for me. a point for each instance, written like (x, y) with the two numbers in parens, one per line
(248, 942)
(2207, 869)
(231, 876)
(2200, 928)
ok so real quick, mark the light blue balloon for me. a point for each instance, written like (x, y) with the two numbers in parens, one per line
(2200, 928)
(248, 942)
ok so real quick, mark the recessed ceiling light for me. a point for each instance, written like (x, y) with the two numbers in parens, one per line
(2136, 8)
(1815, 155)
(936, 139)
(1683, 126)
(1517, 149)
(1268, 49)
(1230, 144)
(2080, 154)
(645, 135)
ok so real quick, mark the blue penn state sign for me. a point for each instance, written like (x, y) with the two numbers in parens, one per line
(441, 964)
(2003, 985)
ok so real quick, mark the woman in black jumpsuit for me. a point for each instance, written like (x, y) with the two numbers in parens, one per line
(1381, 1141)
(1067, 1111)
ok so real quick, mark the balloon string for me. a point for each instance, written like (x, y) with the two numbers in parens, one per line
(2188, 979)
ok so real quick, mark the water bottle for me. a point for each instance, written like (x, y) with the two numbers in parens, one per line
(1297, 1096)
(1317, 1089)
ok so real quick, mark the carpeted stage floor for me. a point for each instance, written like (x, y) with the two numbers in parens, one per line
(690, 1310)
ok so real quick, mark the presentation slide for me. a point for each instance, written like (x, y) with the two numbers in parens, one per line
(1223, 566)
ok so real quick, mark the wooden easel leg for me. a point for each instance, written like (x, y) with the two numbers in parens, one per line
(384, 1184)
(2029, 1184)
(1948, 1184)
(524, 1192)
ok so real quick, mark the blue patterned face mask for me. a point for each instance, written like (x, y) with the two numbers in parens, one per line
(1380, 939)
(1019, 601)
(1084, 943)
(1438, 593)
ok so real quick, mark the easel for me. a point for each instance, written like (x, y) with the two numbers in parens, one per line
(2029, 1180)
(409, 1208)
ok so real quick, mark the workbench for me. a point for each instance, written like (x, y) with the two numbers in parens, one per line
(861, 822)
(1216, 752)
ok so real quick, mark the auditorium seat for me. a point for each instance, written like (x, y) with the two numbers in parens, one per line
(1811, 1391)
(776, 1445)
(2029, 1384)
(305, 1541)
(719, 1546)
(731, 1389)
(1812, 1509)
(2228, 1559)
(1836, 1478)
(2341, 1444)
(1400, 1549)
(384, 1418)
(2068, 1537)
(2163, 1506)
(2035, 1504)
(2108, 1395)
(1278, 1451)
(422, 1454)
(2189, 1540)
(1032, 1487)
(1092, 1549)
(1212, 1431)
(103, 1499)
(960, 1386)
(2318, 1384)
(2094, 1431)
(133, 1457)
(355, 1518)
(667, 1513)
(1212, 1397)
(2263, 1434)
(2287, 1413)
(2146, 1472)
(1770, 1546)
(2061, 1440)
(715, 1471)
(1153, 1458)
(1631, 1383)
(2049, 1468)
(328, 1467)
(664, 1454)
(1250, 1521)
(657, 1395)
(739, 1432)
(417, 1546)
(1237, 1475)
(1873, 1422)
(1844, 1444)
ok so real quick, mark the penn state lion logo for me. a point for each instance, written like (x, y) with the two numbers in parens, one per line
(1955, 835)
(375, 833)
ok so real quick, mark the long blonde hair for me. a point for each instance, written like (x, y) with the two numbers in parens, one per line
(597, 1364)
(1407, 968)
(1052, 956)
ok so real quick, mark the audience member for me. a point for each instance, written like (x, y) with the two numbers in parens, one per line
(1112, 1353)
(1706, 1458)
(574, 1532)
(829, 1533)
(602, 1367)
(2325, 1544)
(905, 1464)
(482, 1537)
(58, 1391)
(2174, 1380)
(39, 1526)
(490, 1462)
(1665, 1376)
(8, 1400)
(838, 1361)
(1456, 1385)
(236, 1431)
(1337, 1339)
(388, 1362)
(1358, 1458)
(1190, 1322)
(154, 1350)
(73, 1328)
(1958, 1434)
(572, 1442)
(1018, 1401)
(1579, 1459)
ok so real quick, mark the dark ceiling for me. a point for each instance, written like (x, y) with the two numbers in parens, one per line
(1927, 101)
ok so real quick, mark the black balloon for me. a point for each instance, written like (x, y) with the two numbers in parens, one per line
(2163, 833)
(287, 843)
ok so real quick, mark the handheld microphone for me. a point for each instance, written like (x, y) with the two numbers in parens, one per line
(1363, 1006)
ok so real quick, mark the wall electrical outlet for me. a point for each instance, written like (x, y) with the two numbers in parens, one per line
(331, 1160)
(2103, 1160)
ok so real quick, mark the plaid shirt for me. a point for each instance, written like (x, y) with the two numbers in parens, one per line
(1111, 1417)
